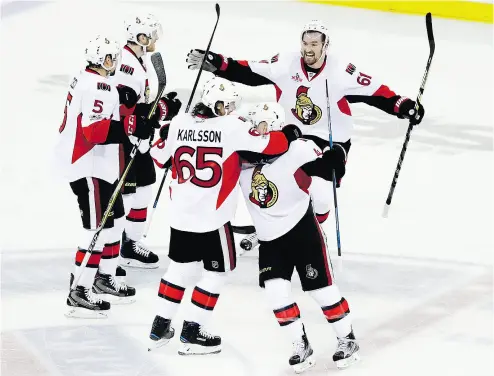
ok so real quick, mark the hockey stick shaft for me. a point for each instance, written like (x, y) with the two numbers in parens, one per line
(162, 183)
(432, 47)
(335, 197)
(160, 70)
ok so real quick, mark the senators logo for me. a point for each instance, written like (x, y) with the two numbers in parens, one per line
(103, 86)
(126, 69)
(305, 110)
(264, 193)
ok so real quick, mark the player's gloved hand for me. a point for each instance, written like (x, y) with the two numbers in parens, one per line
(335, 158)
(164, 131)
(138, 126)
(212, 63)
(406, 110)
(127, 96)
(291, 132)
(166, 109)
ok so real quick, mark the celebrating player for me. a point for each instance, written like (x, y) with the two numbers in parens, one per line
(277, 196)
(132, 81)
(87, 155)
(300, 82)
(205, 149)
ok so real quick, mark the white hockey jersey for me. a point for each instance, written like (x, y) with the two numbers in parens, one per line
(276, 194)
(206, 167)
(132, 72)
(303, 94)
(92, 101)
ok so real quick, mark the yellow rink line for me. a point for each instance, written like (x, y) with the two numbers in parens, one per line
(460, 10)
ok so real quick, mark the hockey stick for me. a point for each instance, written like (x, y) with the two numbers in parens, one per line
(432, 47)
(337, 216)
(244, 230)
(157, 61)
(162, 183)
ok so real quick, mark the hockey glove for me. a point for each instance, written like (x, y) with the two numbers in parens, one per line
(127, 96)
(167, 108)
(164, 132)
(137, 126)
(405, 108)
(335, 159)
(291, 132)
(212, 63)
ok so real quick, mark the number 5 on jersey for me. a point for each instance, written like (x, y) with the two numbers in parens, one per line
(202, 162)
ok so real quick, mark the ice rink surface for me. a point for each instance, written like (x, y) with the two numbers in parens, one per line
(419, 284)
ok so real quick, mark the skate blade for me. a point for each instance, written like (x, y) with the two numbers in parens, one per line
(157, 344)
(301, 367)
(131, 263)
(345, 363)
(190, 349)
(117, 300)
(84, 313)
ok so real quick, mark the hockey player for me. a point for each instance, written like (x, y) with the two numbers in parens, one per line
(205, 149)
(277, 196)
(132, 80)
(300, 82)
(87, 156)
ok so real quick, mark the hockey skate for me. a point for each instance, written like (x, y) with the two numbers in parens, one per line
(347, 352)
(135, 255)
(249, 242)
(302, 358)
(84, 305)
(161, 332)
(116, 292)
(196, 341)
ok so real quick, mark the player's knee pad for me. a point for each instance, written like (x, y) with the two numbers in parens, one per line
(86, 237)
(322, 195)
(326, 296)
(279, 292)
(180, 273)
(142, 197)
(213, 281)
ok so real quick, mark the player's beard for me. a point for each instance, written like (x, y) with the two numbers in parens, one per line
(311, 60)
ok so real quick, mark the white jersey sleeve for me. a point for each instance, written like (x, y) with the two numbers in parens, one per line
(249, 139)
(272, 69)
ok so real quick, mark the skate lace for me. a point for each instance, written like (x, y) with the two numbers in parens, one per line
(252, 238)
(203, 332)
(91, 297)
(344, 344)
(298, 347)
(117, 285)
(141, 249)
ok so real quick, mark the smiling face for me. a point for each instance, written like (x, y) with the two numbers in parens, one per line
(312, 46)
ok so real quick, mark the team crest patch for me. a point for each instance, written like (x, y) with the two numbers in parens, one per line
(311, 272)
(263, 192)
(305, 110)
(350, 68)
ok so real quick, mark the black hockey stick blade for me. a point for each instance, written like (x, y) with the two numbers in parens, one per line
(430, 34)
(217, 7)
(244, 230)
(157, 61)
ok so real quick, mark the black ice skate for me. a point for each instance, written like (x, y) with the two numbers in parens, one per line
(83, 304)
(161, 332)
(116, 292)
(347, 351)
(134, 255)
(302, 358)
(196, 341)
(249, 242)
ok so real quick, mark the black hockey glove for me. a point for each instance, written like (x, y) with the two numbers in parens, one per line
(164, 131)
(167, 108)
(406, 110)
(335, 159)
(127, 96)
(138, 126)
(291, 132)
(212, 63)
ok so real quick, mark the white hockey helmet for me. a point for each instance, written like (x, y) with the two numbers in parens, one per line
(316, 25)
(217, 90)
(270, 112)
(99, 48)
(143, 24)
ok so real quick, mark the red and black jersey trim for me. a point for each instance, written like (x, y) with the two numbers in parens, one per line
(204, 299)
(93, 261)
(287, 315)
(111, 251)
(137, 215)
(171, 292)
(336, 311)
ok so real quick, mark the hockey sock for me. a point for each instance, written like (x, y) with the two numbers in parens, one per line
(86, 274)
(205, 296)
(285, 309)
(335, 309)
(111, 249)
(137, 215)
(171, 289)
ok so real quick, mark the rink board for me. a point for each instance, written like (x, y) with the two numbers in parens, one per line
(461, 10)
